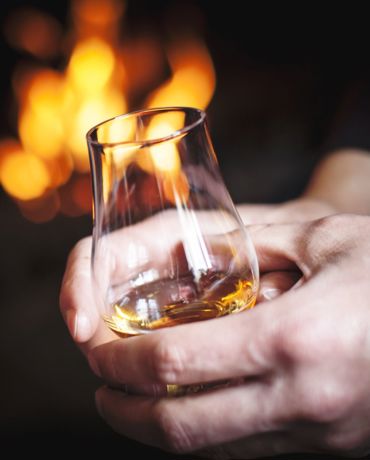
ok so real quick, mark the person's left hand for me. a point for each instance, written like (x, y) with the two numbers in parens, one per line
(301, 209)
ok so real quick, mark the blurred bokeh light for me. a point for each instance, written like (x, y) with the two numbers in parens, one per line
(46, 169)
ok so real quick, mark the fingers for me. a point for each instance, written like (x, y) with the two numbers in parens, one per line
(76, 297)
(280, 247)
(274, 284)
(310, 246)
(256, 213)
(198, 352)
(194, 422)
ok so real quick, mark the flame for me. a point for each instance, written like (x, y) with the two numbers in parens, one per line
(192, 84)
(162, 159)
(46, 171)
(91, 65)
(24, 175)
(41, 115)
(35, 32)
(97, 17)
(86, 114)
(193, 77)
(176, 188)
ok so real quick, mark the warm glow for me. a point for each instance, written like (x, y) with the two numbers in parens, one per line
(33, 31)
(81, 193)
(40, 124)
(165, 157)
(97, 96)
(162, 159)
(98, 12)
(41, 209)
(106, 177)
(176, 188)
(193, 81)
(24, 176)
(46, 91)
(60, 170)
(91, 66)
(45, 171)
(122, 156)
(8, 147)
(192, 84)
(41, 134)
(119, 130)
(89, 113)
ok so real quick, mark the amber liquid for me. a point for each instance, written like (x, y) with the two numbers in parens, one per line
(167, 303)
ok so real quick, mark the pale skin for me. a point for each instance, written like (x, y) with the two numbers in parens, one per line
(305, 355)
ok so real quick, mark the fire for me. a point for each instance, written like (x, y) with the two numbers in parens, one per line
(41, 114)
(46, 171)
(24, 175)
(193, 77)
(192, 84)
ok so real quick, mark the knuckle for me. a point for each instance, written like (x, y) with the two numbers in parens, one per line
(329, 224)
(323, 238)
(313, 347)
(290, 342)
(167, 359)
(306, 338)
(329, 235)
(173, 435)
(328, 402)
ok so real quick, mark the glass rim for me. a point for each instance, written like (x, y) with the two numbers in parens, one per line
(147, 142)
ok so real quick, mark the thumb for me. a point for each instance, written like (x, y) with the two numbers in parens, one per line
(281, 246)
(76, 299)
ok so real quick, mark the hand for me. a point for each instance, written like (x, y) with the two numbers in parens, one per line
(305, 357)
(301, 209)
(77, 303)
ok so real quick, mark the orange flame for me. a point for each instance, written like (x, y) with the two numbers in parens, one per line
(24, 175)
(46, 171)
(193, 77)
(42, 114)
(95, 94)
(192, 84)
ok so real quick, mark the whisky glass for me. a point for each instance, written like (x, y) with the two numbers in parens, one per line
(169, 247)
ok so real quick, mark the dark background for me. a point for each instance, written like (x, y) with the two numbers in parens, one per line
(281, 78)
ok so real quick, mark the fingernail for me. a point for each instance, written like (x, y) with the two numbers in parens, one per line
(71, 323)
(82, 329)
(271, 293)
(94, 364)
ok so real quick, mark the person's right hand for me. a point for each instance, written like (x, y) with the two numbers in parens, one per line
(303, 359)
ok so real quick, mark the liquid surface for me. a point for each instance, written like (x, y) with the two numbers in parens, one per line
(167, 303)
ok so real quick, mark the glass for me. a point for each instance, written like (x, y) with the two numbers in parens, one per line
(168, 244)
